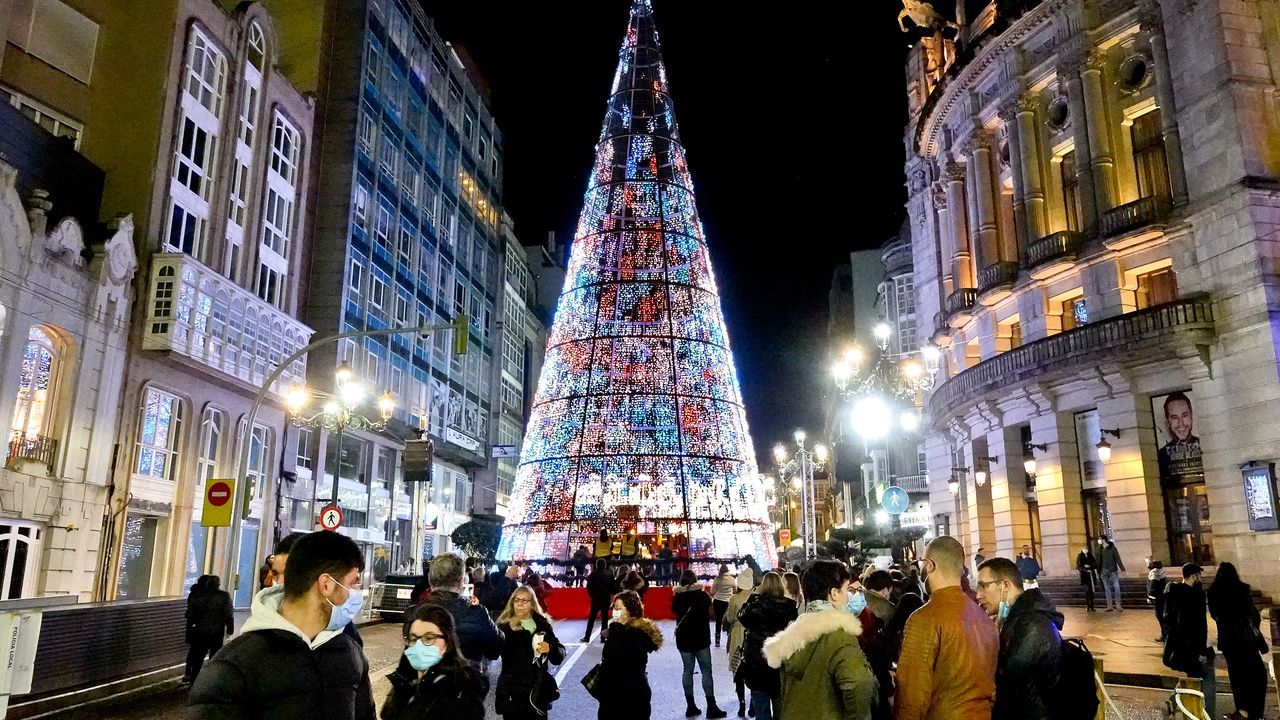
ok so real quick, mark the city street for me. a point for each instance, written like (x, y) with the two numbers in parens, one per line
(383, 647)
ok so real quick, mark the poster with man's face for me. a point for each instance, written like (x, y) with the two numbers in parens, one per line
(1178, 445)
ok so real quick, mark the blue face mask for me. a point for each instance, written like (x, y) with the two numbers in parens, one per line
(422, 656)
(856, 604)
(342, 615)
(1002, 611)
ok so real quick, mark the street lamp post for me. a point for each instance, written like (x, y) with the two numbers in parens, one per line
(803, 465)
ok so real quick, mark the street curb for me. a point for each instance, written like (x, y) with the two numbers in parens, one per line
(1162, 682)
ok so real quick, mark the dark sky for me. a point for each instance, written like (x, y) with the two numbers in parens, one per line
(791, 114)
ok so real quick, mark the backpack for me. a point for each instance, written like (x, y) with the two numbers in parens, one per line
(1076, 695)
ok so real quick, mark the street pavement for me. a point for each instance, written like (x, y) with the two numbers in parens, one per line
(1118, 636)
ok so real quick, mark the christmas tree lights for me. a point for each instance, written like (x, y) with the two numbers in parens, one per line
(638, 424)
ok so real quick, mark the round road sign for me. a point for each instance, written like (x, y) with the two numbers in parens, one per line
(895, 500)
(331, 517)
(219, 494)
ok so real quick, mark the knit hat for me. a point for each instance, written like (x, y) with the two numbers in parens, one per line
(746, 579)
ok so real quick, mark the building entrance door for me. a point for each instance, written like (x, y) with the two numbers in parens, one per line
(1097, 519)
(1190, 525)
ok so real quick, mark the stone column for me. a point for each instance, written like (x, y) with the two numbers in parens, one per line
(1134, 497)
(945, 235)
(1021, 232)
(1102, 155)
(1152, 24)
(1029, 160)
(1080, 143)
(1058, 496)
(1007, 487)
(985, 230)
(982, 529)
(961, 258)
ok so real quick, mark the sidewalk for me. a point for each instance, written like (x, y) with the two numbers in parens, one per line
(1125, 642)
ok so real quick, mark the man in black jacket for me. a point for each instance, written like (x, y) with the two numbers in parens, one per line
(209, 622)
(479, 638)
(1186, 645)
(601, 587)
(501, 584)
(292, 660)
(1030, 643)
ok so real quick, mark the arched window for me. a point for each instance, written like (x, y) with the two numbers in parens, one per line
(19, 559)
(159, 432)
(257, 45)
(37, 384)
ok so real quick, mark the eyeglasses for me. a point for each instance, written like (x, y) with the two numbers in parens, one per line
(522, 601)
(427, 638)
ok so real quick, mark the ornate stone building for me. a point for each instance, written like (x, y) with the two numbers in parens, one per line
(1094, 213)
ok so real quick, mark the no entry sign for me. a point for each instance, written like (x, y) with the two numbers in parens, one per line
(218, 495)
(330, 517)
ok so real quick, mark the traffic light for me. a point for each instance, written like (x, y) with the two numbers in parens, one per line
(417, 460)
(461, 334)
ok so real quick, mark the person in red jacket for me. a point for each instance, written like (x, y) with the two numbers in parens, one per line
(875, 618)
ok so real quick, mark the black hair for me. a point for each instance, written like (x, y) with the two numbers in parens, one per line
(1175, 397)
(1003, 569)
(822, 577)
(879, 580)
(688, 577)
(285, 544)
(443, 619)
(316, 554)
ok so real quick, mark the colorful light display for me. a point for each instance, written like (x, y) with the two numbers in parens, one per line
(638, 424)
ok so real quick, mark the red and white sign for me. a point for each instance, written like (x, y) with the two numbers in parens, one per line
(219, 493)
(784, 537)
(331, 517)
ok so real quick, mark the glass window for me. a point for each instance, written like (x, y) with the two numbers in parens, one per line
(258, 472)
(1157, 288)
(36, 385)
(206, 72)
(355, 280)
(1070, 191)
(306, 448)
(159, 433)
(286, 144)
(1148, 155)
(211, 428)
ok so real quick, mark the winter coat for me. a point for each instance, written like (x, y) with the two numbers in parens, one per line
(601, 586)
(875, 618)
(478, 637)
(691, 605)
(496, 593)
(947, 670)
(1237, 618)
(723, 588)
(519, 671)
(273, 672)
(1156, 583)
(454, 693)
(209, 615)
(1030, 653)
(1028, 567)
(623, 681)
(762, 617)
(1110, 561)
(736, 633)
(1187, 630)
(824, 673)
(1086, 565)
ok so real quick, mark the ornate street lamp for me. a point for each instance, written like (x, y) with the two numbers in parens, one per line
(338, 412)
(801, 470)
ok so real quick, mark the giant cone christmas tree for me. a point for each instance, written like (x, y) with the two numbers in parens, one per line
(638, 424)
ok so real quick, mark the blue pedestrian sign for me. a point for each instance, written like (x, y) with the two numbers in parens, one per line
(894, 500)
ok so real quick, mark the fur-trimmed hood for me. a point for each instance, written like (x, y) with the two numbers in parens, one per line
(689, 588)
(806, 630)
(648, 627)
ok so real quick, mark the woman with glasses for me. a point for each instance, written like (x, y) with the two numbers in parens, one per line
(434, 681)
(525, 687)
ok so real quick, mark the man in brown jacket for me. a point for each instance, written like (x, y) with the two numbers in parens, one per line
(949, 651)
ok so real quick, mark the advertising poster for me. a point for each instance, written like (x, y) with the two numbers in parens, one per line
(1260, 495)
(1088, 432)
(1178, 445)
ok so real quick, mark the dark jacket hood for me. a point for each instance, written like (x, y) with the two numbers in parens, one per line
(1034, 601)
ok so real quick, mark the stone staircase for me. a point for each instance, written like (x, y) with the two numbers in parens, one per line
(1066, 590)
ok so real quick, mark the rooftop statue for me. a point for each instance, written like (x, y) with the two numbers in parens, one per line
(923, 15)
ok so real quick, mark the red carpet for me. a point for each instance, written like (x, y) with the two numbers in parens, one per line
(574, 604)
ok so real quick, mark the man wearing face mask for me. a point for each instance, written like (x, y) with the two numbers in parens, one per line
(875, 617)
(292, 658)
(480, 638)
(1030, 643)
(947, 669)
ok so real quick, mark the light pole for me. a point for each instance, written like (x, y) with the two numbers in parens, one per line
(338, 412)
(803, 465)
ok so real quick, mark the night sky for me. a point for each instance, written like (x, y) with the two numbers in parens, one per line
(793, 123)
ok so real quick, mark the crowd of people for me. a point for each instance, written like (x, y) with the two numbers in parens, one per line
(932, 640)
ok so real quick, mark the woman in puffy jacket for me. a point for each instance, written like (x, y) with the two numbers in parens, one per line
(623, 684)
(529, 645)
(764, 615)
(434, 681)
(736, 633)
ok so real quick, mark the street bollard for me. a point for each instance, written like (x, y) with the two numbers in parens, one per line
(1099, 676)
(1193, 703)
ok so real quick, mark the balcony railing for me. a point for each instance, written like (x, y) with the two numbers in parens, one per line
(961, 300)
(1064, 245)
(194, 311)
(1135, 333)
(1131, 216)
(996, 275)
(36, 448)
(912, 483)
